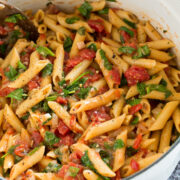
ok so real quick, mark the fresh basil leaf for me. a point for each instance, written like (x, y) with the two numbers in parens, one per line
(141, 87)
(21, 65)
(93, 47)
(94, 145)
(17, 94)
(33, 151)
(10, 151)
(44, 51)
(134, 101)
(45, 107)
(47, 70)
(68, 44)
(73, 171)
(15, 18)
(123, 81)
(26, 116)
(107, 64)
(62, 83)
(82, 94)
(81, 31)
(127, 30)
(108, 146)
(163, 82)
(52, 97)
(131, 24)
(104, 11)
(50, 138)
(122, 39)
(85, 9)
(12, 74)
(118, 144)
(72, 20)
(126, 49)
(135, 120)
(130, 151)
(142, 51)
(52, 168)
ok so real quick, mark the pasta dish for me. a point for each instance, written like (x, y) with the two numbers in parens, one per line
(95, 97)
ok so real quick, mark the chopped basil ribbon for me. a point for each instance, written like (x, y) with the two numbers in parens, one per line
(44, 51)
(131, 24)
(85, 9)
(127, 30)
(81, 31)
(15, 18)
(134, 101)
(12, 74)
(68, 44)
(135, 120)
(50, 138)
(72, 20)
(21, 65)
(73, 171)
(104, 11)
(33, 151)
(47, 70)
(107, 64)
(118, 144)
(126, 49)
(142, 51)
(93, 47)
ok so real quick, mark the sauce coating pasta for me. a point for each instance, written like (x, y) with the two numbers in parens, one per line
(96, 97)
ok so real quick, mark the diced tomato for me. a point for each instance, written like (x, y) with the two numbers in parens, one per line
(37, 138)
(76, 156)
(20, 150)
(84, 54)
(118, 175)
(136, 74)
(87, 54)
(61, 100)
(137, 141)
(3, 31)
(62, 128)
(97, 25)
(125, 36)
(67, 140)
(103, 90)
(10, 25)
(34, 83)
(5, 91)
(99, 114)
(135, 109)
(115, 76)
(73, 121)
(1, 42)
(132, 44)
(134, 165)
(65, 174)
(42, 36)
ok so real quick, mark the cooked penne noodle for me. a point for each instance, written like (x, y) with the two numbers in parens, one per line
(176, 119)
(90, 175)
(118, 106)
(97, 101)
(141, 34)
(155, 135)
(159, 67)
(96, 6)
(8, 162)
(43, 176)
(163, 117)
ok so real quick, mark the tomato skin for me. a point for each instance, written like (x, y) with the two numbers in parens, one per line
(61, 100)
(67, 140)
(76, 156)
(136, 74)
(84, 54)
(62, 128)
(114, 74)
(20, 150)
(135, 109)
(10, 25)
(137, 141)
(134, 165)
(37, 138)
(34, 83)
(96, 25)
(5, 91)
(3, 31)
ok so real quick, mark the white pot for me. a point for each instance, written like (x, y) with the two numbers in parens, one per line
(164, 15)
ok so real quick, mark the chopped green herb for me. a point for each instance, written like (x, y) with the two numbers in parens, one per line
(15, 34)
(107, 145)
(81, 31)
(45, 122)
(163, 82)
(52, 97)
(131, 24)
(52, 167)
(122, 39)
(123, 28)
(62, 82)
(23, 53)
(82, 94)
(107, 64)
(73, 171)
(123, 81)
(33, 151)
(3, 48)
(85, 9)
(17, 159)
(118, 144)
(141, 87)
(164, 31)
(45, 106)
(47, 70)
(130, 151)
(142, 51)
(15, 18)
(72, 20)
(17, 94)
(50, 138)
(135, 120)
(26, 116)
(44, 51)
(21, 65)
(68, 44)
(134, 101)
(86, 161)
(12, 74)
(94, 145)
(104, 11)
(10, 151)
(93, 47)
(126, 49)
(58, 152)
